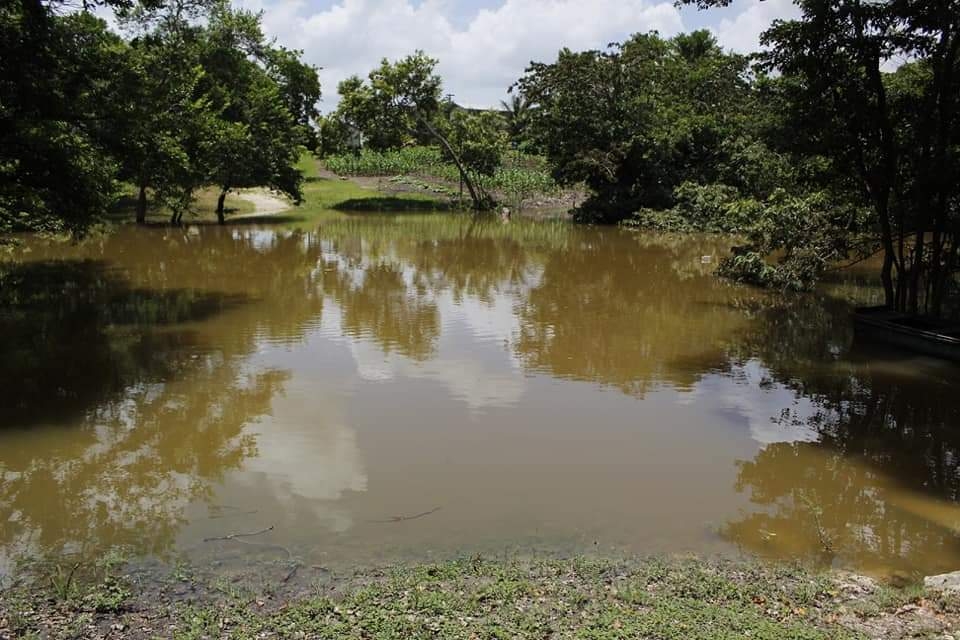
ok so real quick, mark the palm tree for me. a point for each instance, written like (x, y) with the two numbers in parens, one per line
(696, 45)
(517, 113)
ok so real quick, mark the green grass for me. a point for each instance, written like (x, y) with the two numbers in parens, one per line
(582, 598)
(320, 194)
(521, 177)
(327, 193)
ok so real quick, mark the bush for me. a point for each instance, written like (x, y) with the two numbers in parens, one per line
(809, 233)
(717, 208)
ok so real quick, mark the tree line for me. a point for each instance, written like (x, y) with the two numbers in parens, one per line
(839, 141)
(194, 95)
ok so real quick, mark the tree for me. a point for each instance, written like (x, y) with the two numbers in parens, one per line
(299, 86)
(897, 133)
(399, 101)
(55, 72)
(266, 99)
(517, 113)
(162, 116)
(480, 142)
(196, 95)
(900, 141)
(637, 119)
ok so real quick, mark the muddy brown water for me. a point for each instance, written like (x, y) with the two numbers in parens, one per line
(376, 389)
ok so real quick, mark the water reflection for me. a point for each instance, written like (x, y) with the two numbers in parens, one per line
(124, 393)
(613, 310)
(874, 480)
(546, 385)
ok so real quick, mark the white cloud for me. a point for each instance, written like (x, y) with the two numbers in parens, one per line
(479, 60)
(742, 31)
(481, 56)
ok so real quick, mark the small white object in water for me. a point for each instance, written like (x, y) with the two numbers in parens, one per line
(706, 259)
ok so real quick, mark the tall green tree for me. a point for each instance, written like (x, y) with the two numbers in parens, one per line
(895, 132)
(55, 75)
(900, 140)
(402, 101)
(160, 128)
(266, 99)
(634, 121)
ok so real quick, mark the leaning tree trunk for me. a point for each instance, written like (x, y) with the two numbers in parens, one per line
(480, 201)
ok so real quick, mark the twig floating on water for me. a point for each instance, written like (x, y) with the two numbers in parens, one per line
(292, 572)
(405, 518)
(234, 536)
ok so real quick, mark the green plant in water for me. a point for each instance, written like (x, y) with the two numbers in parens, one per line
(62, 581)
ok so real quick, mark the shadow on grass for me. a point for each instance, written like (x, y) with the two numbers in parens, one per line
(393, 204)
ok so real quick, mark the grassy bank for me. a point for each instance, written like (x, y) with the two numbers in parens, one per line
(522, 182)
(322, 191)
(661, 598)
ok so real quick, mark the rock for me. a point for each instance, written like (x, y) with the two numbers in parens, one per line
(907, 608)
(854, 585)
(948, 582)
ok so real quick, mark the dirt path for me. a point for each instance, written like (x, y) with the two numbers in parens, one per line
(265, 203)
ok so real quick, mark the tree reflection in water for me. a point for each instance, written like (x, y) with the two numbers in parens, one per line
(879, 487)
(136, 365)
(124, 394)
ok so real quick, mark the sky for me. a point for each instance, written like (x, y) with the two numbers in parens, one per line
(484, 45)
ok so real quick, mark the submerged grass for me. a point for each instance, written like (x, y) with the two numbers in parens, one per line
(588, 598)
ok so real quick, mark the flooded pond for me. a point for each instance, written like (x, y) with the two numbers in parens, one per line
(372, 389)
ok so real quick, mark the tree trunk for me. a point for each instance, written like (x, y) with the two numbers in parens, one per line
(886, 273)
(916, 274)
(142, 204)
(478, 202)
(221, 219)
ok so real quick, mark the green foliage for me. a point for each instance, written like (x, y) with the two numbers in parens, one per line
(520, 184)
(55, 74)
(808, 234)
(517, 112)
(400, 103)
(894, 138)
(392, 106)
(712, 207)
(478, 139)
(265, 98)
(636, 120)
(518, 179)
(195, 96)
(406, 160)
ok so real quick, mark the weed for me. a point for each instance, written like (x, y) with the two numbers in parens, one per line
(62, 581)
